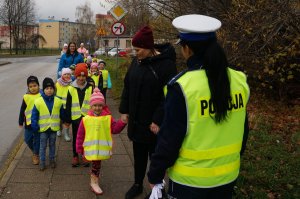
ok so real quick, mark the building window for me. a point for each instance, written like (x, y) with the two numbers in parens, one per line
(128, 43)
(117, 43)
(106, 42)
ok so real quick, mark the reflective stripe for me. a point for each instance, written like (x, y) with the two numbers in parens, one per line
(85, 110)
(64, 99)
(207, 172)
(76, 113)
(211, 153)
(98, 142)
(28, 120)
(49, 124)
(75, 105)
(86, 102)
(55, 116)
(43, 117)
(28, 112)
(97, 152)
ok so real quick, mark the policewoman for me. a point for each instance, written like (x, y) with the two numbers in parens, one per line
(205, 127)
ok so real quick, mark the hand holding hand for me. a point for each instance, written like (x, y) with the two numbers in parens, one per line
(154, 128)
(124, 118)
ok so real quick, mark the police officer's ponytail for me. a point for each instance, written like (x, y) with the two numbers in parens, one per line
(215, 64)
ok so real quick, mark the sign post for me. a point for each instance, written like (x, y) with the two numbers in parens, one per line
(118, 28)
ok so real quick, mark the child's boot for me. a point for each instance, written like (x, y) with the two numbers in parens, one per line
(58, 133)
(67, 134)
(42, 166)
(35, 159)
(95, 186)
(85, 162)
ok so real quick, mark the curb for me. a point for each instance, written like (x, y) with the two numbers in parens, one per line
(9, 171)
(4, 63)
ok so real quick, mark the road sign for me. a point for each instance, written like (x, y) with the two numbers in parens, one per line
(118, 28)
(101, 32)
(118, 11)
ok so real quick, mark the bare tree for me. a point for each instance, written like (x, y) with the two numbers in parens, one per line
(19, 16)
(87, 29)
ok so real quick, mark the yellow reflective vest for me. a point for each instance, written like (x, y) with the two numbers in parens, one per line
(29, 101)
(210, 153)
(62, 92)
(46, 119)
(98, 140)
(76, 110)
(105, 77)
(96, 79)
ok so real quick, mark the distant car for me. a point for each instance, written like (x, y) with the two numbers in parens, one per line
(100, 51)
(122, 53)
(112, 52)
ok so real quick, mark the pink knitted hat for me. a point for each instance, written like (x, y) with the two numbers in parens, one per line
(97, 97)
(94, 65)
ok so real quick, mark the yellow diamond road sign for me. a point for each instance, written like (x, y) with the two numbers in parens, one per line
(118, 11)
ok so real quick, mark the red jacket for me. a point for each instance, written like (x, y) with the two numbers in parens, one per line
(116, 127)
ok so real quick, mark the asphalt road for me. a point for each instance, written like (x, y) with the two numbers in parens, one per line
(12, 87)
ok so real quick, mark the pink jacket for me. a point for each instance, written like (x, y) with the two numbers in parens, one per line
(116, 127)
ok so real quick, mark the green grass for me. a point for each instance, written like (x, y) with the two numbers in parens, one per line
(117, 73)
(29, 52)
(270, 166)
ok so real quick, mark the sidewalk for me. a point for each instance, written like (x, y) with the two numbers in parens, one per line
(24, 180)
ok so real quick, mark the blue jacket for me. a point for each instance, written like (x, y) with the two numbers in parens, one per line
(35, 115)
(67, 60)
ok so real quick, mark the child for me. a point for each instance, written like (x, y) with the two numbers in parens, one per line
(46, 115)
(106, 78)
(94, 138)
(31, 138)
(96, 76)
(62, 86)
(72, 67)
(77, 106)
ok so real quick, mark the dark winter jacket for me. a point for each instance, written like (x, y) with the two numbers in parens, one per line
(143, 96)
(35, 116)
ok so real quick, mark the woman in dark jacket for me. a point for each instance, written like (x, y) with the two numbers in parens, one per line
(143, 97)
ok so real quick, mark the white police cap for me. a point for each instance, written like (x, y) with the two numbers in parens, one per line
(196, 27)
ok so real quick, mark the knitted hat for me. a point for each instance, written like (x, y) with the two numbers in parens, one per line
(48, 82)
(88, 59)
(66, 71)
(81, 70)
(65, 45)
(102, 61)
(94, 65)
(32, 79)
(143, 38)
(97, 97)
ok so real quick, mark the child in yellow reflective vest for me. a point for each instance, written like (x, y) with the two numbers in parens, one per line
(47, 113)
(62, 86)
(94, 139)
(31, 138)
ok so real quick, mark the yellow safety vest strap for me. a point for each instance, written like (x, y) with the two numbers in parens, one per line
(207, 172)
(97, 153)
(210, 153)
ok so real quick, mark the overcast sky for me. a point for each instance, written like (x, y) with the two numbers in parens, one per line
(66, 8)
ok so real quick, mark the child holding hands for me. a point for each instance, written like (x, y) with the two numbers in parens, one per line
(94, 138)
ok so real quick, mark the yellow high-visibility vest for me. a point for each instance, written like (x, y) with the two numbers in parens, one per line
(62, 92)
(29, 101)
(76, 110)
(47, 120)
(98, 140)
(210, 153)
(96, 79)
(105, 77)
